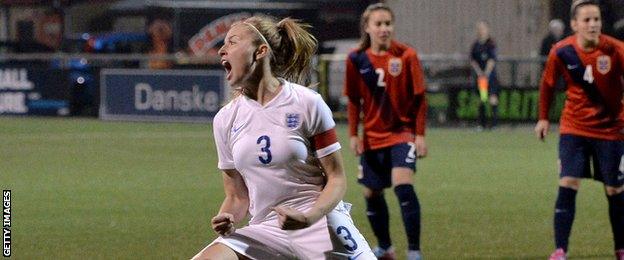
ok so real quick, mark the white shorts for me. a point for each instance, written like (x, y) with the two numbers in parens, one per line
(334, 237)
(267, 241)
(347, 239)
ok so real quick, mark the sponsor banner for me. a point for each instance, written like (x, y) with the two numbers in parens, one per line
(514, 104)
(161, 95)
(33, 91)
(203, 30)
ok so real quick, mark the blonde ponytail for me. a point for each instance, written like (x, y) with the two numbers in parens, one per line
(292, 45)
(296, 50)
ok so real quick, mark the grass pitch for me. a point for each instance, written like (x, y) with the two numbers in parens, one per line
(87, 189)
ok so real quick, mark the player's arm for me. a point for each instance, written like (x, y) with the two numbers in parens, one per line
(491, 62)
(620, 54)
(351, 90)
(489, 66)
(235, 204)
(476, 68)
(552, 71)
(421, 121)
(473, 62)
(332, 193)
(321, 133)
(334, 189)
(420, 90)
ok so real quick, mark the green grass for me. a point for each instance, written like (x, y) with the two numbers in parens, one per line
(87, 189)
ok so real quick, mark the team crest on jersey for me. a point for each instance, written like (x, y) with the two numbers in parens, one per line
(394, 66)
(603, 64)
(292, 120)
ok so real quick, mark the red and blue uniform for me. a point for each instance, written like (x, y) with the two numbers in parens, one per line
(591, 126)
(390, 92)
(592, 122)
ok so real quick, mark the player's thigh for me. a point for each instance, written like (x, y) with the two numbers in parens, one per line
(346, 237)
(375, 168)
(371, 193)
(313, 242)
(609, 163)
(259, 241)
(403, 161)
(216, 251)
(574, 156)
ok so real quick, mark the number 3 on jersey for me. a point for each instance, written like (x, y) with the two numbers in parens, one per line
(347, 236)
(265, 149)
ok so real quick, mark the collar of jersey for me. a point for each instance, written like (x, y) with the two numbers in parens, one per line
(283, 92)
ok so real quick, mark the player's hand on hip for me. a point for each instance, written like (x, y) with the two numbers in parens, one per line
(421, 146)
(223, 224)
(290, 218)
(541, 129)
(356, 145)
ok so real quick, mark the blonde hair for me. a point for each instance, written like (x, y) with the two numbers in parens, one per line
(365, 41)
(292, 47)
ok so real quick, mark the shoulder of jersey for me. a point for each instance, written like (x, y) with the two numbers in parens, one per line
(402, 49)
(491, 42)
(303, 92)
(565, 41)
(353, 52)
(611, 42)
(227, 109)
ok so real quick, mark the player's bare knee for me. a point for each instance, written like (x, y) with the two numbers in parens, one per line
(370, 193)
(401, 175)
(611, 191)
(493, 100)
(568, 182)
(217, 251)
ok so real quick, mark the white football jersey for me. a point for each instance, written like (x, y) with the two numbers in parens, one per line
(273, 147)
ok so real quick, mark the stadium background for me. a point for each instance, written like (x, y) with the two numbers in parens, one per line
(84, 187)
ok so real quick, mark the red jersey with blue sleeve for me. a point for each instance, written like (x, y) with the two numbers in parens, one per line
(389, 90)
(593, 106)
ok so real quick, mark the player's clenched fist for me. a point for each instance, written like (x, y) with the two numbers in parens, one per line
(291, 219)
(223, 224)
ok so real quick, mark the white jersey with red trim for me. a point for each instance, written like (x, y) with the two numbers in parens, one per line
(275, 147)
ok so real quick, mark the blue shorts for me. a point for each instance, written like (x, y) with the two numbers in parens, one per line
(376, 165)
(575, 153)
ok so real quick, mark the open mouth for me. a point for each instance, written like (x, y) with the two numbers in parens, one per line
(228, 68)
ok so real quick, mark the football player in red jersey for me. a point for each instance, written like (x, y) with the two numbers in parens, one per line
(592, 122)
(384, 82)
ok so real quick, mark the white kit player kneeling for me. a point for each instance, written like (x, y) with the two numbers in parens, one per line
(278, 150)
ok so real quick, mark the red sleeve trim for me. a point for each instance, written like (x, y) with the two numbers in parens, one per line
(324, 139)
